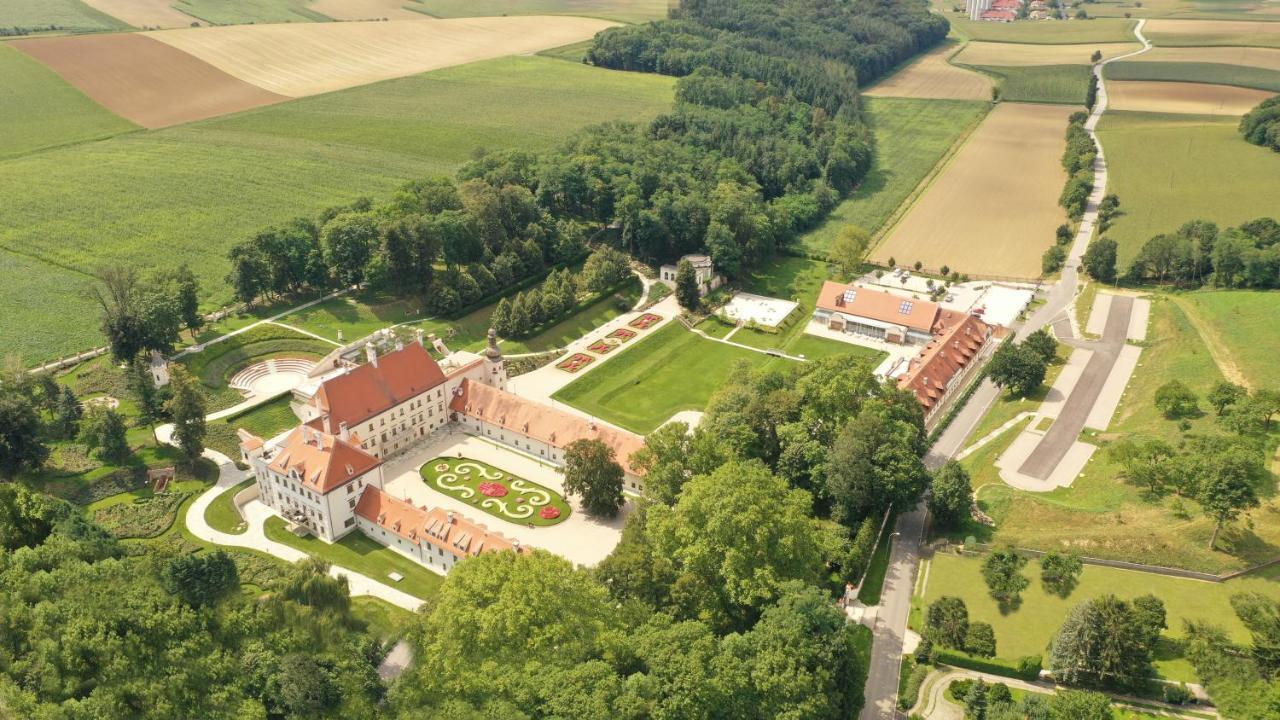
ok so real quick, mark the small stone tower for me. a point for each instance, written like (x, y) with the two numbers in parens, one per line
(495, 368)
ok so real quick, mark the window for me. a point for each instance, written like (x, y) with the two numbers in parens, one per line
(849, 295)
(350, 488)
(905, 307)
(349, 522)
(351, 503)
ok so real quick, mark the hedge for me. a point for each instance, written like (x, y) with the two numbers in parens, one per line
(995, 666)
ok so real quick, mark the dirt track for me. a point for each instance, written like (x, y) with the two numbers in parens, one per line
(932, 77)
(992, 211)
(143, 80)
(1182, 97)
(144, 13)
(309, 58)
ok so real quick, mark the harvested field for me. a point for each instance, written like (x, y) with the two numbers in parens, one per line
(628, 11)
(143, 80)
(933, 77)
(1268, 58)
(368, 9)
(1174, 33)
(1105, 30)
(1020, 54)
(307, 59)
(993, 209)
(1183, 97)
(144, 13)
(237, 12)
(1195, 72)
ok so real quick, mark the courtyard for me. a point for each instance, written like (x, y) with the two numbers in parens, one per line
(573, 535)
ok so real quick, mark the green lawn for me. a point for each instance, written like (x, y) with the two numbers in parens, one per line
(221, 513)
(461, 480)
(1046, 33)
(1029, 629)
(1060, 84)
(1213, 73)
(365, 556)
(669, 371)
(1169, 169)
(237, 12)
(384, 619)
(55, 15)
(218, 363)
(196, 189)
(911, 138)
(873, 584)
(1244, 322)
(265, 421)
(1006, 407)
(39, 110)
(628, 11)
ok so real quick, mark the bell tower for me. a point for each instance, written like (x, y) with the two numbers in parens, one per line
(495, 369)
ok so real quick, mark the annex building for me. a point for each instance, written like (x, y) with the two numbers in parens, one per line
(326, 475)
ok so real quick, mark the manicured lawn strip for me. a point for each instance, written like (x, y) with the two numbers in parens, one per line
(911, 138)
(239, 12)
(873, 584)
(1061, 84)
(1214, 73)
(1170, 169)
(627, 11)
(215, 365)
(63, 15)
(197, 189)
(221, 513)
(812, 347)
(1006, 407)
(1245, 322)
(473, 479)
(1028, 629)
(266, 421)
(385, 620)
(39, 110)
(652, 378)
(363, 555)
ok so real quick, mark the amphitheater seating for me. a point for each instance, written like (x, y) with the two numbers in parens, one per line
(245, 378)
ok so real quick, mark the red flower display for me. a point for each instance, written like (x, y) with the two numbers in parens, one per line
(646, 321)
(549, 513)
(493, 489)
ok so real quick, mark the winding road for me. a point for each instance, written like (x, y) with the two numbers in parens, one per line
(889, 633)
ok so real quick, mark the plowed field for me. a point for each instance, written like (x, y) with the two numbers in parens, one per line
(1183, 97)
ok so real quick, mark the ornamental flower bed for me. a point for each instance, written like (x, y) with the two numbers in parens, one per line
(600, 347)
(646, 321)
(493, 489)
(575, 362)
(622, 334)
(549, 513)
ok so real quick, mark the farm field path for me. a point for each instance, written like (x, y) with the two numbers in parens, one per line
(145, 81)
(1183, 97)
(144, 13)
(301, 59)
(992, 210)
(1022, 54)
(932, 76)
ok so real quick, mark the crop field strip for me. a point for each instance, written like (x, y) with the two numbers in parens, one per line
(992, 210)
(1259, 78)
(63, 15)
(148, 14)
(1183, 97)
(932, 76)
(1054, 84)
(1071, 32)
(1021, 54)
(234, 12)
(1193, 33)
(1266, 58)
(1170, 169)
(143, 80)
(187, 193)
(370, 9)
(296, 60)
(628, 11)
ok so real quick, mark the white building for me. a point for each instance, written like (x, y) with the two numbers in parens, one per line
(704, 271)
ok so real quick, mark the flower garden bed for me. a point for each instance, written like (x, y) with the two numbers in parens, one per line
(575, 362)
(603, 347)
(497, 492)
(645, 321)
(622, 334)
(143, 517)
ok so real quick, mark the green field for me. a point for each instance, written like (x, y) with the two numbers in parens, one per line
(1182, 9)
(1169, 169)
(357, 552)
(1044, 32)
(1029, 629)
(38, 110)
(1213, 73)
(1061, 84)
(56, 16)
(669, 371)
(911, 137)
(629, 11)
(1221, 39)
(188, 193)
(237, 12)
(1245, 323)
(222, 514)
(266, 421)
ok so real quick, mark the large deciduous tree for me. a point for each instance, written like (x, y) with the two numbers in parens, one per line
(1002, 571)
(951, 496)
(21, 445)
(1225, 489)
(875, 462)
(186, 409)
(1100, 260)
(687, 291)
(848, 249)
(1017, 368)
(947, 622)
(348, 241)
(592, 472)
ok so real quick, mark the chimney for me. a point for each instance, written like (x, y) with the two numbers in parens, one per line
(344, 432)
(417, 337)
(399, 344)
(371, 353)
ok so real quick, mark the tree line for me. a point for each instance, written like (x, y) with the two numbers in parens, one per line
(1261, 125)
(1198, 253)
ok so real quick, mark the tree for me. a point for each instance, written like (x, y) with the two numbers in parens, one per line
(975, 701)
(673, 454)
(306, 687)
(1175, 400)
(201, 579)
(848, 249)
(952, 495)
(1043, 344)
(687, 293)
(1261, 615)
(1002, 571)
(1149, 613)
(1017, 368)
(348, 241)
(1080, 705)
(1062, 235)
(591, 472)
(21, 446)
(188, 298)
(604, 268)
(1102, 643)
(981, 640)
(1059, 572)
(1100, 260)
(116, 293)
(1225, 394)
(187, 410)
(103, 430)
(309, 583)
(1096, 56)
(67, 414)
(947, 622)
(873, 463)
(1052, 260)
(1225, 489)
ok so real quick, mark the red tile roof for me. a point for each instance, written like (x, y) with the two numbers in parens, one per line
(436, 527)
(942, 359)
(322, 461)
(878, 305)
(542, 422)
(374, 388)
(997, 15)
